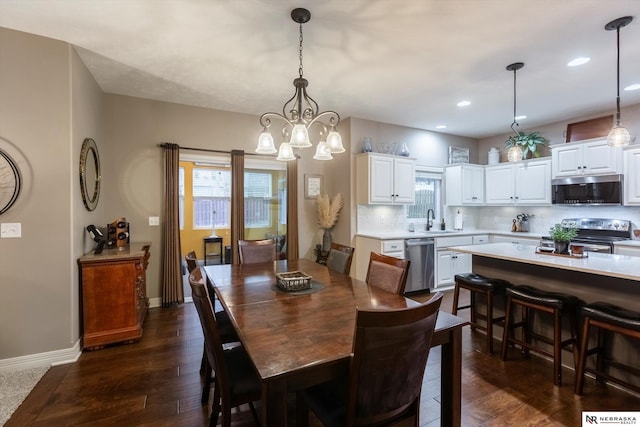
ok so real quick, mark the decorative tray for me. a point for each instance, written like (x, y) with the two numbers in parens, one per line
(292, 281)
(545, 252)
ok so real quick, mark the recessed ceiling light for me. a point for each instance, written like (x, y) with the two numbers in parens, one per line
(463, 103)
(441, 127)
(578, 61)
(520, 117)
(634, 86)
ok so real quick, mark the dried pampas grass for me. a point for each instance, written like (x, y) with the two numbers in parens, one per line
(328, 210)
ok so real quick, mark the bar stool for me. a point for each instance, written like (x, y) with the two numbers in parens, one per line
(477, 284)
(553, 303)
(606, 318)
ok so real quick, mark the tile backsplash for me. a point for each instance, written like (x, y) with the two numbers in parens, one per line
(374, 218)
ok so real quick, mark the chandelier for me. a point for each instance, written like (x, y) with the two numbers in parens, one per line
(299, 114)
(619, 135)
(515, 152)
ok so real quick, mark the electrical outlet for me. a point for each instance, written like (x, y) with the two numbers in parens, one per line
(154, 221)
(10, 229)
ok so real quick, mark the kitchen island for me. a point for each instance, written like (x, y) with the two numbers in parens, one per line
(598, 277)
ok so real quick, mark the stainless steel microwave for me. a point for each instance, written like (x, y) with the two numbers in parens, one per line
(588, 190)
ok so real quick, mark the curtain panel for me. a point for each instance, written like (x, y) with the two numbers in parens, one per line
(172, 288)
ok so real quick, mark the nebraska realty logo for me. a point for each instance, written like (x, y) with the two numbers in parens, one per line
(610, 418)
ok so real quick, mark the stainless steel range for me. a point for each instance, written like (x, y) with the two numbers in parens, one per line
(596, 234)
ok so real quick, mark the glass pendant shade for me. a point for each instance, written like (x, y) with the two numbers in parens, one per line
(334, 141)
(300, 136)
(266, 144)
(618, 137)
(514, 154)
(286, 152)
(323, 152)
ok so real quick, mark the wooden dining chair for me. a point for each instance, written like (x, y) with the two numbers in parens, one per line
(253, 251)
(236, 381)
(191, 260)
(390, 351)
(387, 272)
(227, 332)
(340, 257)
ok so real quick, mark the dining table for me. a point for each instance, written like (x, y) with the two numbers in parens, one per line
(298, 339)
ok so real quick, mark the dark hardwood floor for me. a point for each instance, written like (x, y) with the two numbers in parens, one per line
(155, 382)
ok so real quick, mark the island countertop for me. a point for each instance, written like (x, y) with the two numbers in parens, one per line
(620, 266)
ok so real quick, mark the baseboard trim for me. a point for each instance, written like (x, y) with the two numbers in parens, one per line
(157, 302)
(49, 358)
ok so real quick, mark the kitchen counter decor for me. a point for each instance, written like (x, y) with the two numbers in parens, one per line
(328, 211)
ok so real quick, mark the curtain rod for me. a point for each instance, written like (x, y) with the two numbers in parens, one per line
(208, 150)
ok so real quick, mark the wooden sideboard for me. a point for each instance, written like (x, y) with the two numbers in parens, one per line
(114, 295)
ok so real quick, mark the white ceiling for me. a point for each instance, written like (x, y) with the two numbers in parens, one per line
(406, 62)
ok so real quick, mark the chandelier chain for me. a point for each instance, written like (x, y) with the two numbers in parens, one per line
(300, 53)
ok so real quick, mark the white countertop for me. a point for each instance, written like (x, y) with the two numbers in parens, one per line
(387, 235)
(621, 266)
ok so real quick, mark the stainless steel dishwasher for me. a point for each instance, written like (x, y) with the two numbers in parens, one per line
(421, 253)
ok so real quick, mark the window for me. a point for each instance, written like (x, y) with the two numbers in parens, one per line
(428, 195)
(212, 198)
(181, 196)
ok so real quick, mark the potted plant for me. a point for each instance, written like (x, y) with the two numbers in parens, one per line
(561, 237)
(528, 143)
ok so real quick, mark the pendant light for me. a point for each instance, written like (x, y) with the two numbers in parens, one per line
(299, 114)
(619, 135)
(515, 152)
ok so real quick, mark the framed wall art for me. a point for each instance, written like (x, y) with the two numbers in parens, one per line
(312, 186)
(458, 155)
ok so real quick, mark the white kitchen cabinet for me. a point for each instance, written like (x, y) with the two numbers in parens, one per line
(464, 185)
(632, 176)
(365, 245)
(526, 183)
(448, 262)
(593, 157)
(385, 179)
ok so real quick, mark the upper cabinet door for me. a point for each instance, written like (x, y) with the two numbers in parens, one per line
(632, 176)
(385, 179)
(464, 185)
(586, 158)
(500, 184)
(533, 183)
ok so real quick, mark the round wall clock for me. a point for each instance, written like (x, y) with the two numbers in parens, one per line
(10, 182)
(89, 173)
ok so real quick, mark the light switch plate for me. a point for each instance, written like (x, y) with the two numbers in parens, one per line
(10, 229)
(154, 220)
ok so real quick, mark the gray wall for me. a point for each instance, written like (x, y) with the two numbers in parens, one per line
(49, 104)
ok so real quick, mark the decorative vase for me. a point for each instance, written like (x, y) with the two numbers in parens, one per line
(366, 145)
(403, 150)
(326, 240)
(561, 247)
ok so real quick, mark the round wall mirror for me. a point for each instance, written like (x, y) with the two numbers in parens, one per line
(89, 174)
(10, 182)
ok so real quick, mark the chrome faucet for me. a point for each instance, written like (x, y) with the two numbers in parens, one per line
(433, 216)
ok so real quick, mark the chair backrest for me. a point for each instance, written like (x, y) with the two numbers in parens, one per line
(212, 339)
(191, 261)
(339, 258)
(253, 251)
(390, 351)
(387, 272)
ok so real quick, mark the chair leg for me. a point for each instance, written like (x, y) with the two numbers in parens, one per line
(302, 410)
(557, 348)
(215, 408)
(582, 357)
(254, 413)
(472, 308)
(206, 385)
(600, 355)
(203, 361)
(456, 295)
(489, 298)
(507, 329)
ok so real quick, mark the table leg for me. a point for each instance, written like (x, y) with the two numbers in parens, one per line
(451, 380)
(274, 404)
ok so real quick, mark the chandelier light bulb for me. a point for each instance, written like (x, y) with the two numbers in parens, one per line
(300, 136)
(266, 144)
(323, 152)
(334, 142)
(286, 152)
